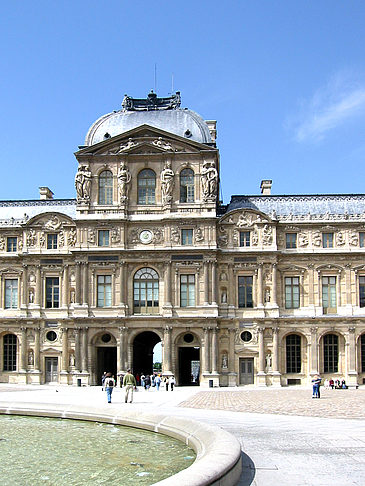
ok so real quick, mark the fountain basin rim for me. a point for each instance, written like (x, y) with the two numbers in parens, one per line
(218, 461)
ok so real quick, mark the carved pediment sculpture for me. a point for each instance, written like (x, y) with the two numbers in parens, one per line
(83, 184)
(209, 180)
(53, 223)
(267, 235)
(163, 144)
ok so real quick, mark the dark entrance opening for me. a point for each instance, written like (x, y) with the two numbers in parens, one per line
(189, 366)
(107, 361)
(143, 352)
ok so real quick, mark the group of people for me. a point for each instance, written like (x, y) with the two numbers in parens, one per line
(338, 384)
(129, 383)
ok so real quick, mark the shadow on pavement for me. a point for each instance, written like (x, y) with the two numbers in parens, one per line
(248, 471)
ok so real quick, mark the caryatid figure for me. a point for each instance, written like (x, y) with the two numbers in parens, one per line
(124, 178)
(83, 183)
(209, 179)
(167, 182)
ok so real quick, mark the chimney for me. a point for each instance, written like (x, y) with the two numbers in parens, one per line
(212, 125)
(266, 187)
(45, 193)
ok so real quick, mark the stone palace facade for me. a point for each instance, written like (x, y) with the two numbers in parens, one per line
(266, 290)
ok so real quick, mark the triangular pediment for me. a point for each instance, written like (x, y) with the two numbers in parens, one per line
(144, 139)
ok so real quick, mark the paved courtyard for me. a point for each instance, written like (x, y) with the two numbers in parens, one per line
(287, 438)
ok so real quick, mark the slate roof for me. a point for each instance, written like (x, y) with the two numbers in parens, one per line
(302, 205)
(21, 211)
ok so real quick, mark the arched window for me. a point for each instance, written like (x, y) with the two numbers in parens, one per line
(146, 187)
(187, 185)
(106, 187)
(9, 352)
(145, 291)
(330, 353)
(362, 350)
(293, 354)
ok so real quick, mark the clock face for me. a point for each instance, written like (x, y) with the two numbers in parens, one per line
(146, 236)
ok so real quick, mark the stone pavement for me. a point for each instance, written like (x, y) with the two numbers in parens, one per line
(286, 437)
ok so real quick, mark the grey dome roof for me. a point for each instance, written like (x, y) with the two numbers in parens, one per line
(159, 113)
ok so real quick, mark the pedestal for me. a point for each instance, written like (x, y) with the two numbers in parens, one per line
(261, 378)
(276, 379)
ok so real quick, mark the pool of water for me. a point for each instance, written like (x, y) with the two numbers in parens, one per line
(44, 451)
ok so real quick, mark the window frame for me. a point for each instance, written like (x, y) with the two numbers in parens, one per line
(330, 353)
(187, 290)
(291, 240)
(187, 185)
(13, 298)
(244, 239)
(10, 352)
(187, 236)
(104, 292)
(146, 187)
(52, 293)
(328, 240)
(104, 238)
(330, 295)
(361, 290)
(362, 239)
(245, 292)
(290, 303)
(52, 241)
(105, 188)
(293, 353)
(11, 244)
(147, 290)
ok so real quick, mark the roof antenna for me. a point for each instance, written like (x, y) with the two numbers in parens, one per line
(155, 77)
(172, 83)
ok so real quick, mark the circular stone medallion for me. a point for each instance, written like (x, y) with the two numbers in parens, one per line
(145, 237)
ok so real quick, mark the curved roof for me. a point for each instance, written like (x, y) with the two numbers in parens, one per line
(156, 112)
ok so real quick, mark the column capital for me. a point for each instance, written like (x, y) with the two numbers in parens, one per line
(123, 329)
(314, 330)
(275, 330)
(351, 330)
(260, 330)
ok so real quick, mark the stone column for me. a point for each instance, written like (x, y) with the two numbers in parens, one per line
(260, 332)
(351, 359)
(214, 365)
(314, 352)
(275, 357)
(38, 292)
(64, 364)
(84, 350)
(65, 287)
(259, 286)
(348, 284)
(231, 360)
(167, 350)
(25, 286)
(274, 285)
(206, 351)
(37, 349)
(206, 283)
(85, 283)
(339, 296)
(214, 283)
(78, 283)
(77, 349)
(168, 284)
(123, 333)
(23, 350)
(122, 284)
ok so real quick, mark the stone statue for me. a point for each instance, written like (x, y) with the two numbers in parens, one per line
(124, 178)
(268, 361)
(224, 361)
(167, 182)
(30, 357)
(209, 176)
(72, 360)
(71, 240)
(83, 183)
(31, 296)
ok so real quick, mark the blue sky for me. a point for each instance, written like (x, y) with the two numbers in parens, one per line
(285, 81)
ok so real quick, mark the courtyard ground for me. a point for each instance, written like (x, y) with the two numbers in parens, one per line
(287, 438)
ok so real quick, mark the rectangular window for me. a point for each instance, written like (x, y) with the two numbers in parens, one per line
(327, 240)
(11, 293)
(362, 291)
(187, 290)
(329, 297)
(104, 284)
(362, 239)
(10, 352)
(103, 238)
(245, 291)
(52, 292)
(292, 294)
(187, 237)
(245, 238)
(11, 244)
(52, 241)
(291, 240)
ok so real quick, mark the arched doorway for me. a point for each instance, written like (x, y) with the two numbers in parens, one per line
(189, 360)
(143, 345)
(106, 355)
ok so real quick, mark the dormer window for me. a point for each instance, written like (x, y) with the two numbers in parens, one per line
(52, 241)
(187, 185)
(146, 187)
(106, 188)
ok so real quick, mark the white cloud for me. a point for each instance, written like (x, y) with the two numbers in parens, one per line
(331, 106)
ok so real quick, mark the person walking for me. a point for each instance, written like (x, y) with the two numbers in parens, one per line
(109, 385)
(103, 376)
(129, 383)
(167, 381)
(316, 384)
(147, 382)
(158, 382)
(172, 382)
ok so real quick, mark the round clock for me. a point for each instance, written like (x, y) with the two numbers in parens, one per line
(145, 236)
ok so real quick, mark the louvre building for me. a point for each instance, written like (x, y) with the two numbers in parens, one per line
(267, 290)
